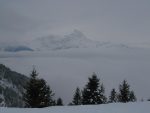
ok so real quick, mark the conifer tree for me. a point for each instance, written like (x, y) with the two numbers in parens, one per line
(102, 94)
(77, 97)
(113, 96)
(45, 94)
(132, 96)
(59, 102)
(93, 93)
(125, 94)
(37, 93)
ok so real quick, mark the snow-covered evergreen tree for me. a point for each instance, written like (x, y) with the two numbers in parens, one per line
(93, 93)
(37, 94)
(132, 96)
(125, 95)
(59, 102)
(113, 96)
(77, 99)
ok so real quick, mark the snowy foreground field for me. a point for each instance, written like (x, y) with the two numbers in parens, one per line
(139, 107)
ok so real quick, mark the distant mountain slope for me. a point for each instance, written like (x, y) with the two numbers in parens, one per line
(76, 39)
(11, 87)
(14, 48)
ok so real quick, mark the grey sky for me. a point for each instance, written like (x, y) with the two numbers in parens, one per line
(104, 20)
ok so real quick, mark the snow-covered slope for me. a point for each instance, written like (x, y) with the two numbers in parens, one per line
(11, 87)
(140, 107)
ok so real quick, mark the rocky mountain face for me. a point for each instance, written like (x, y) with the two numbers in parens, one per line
(11, 87)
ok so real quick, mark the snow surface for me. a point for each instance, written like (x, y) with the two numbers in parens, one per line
(140, 107)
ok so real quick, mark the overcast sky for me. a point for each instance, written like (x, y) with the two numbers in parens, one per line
(104, 20)
(118, 21)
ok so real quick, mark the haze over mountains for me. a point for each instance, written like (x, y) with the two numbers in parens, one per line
(66, 41)
(76, 39)
(75, 57)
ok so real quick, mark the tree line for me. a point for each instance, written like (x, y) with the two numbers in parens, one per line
(38, 94)
(94, 93)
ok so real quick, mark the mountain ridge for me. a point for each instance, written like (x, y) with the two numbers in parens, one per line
(76, 39)
(11, 87)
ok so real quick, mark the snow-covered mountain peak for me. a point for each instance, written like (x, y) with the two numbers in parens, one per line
(76, 34)
(76, 39)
